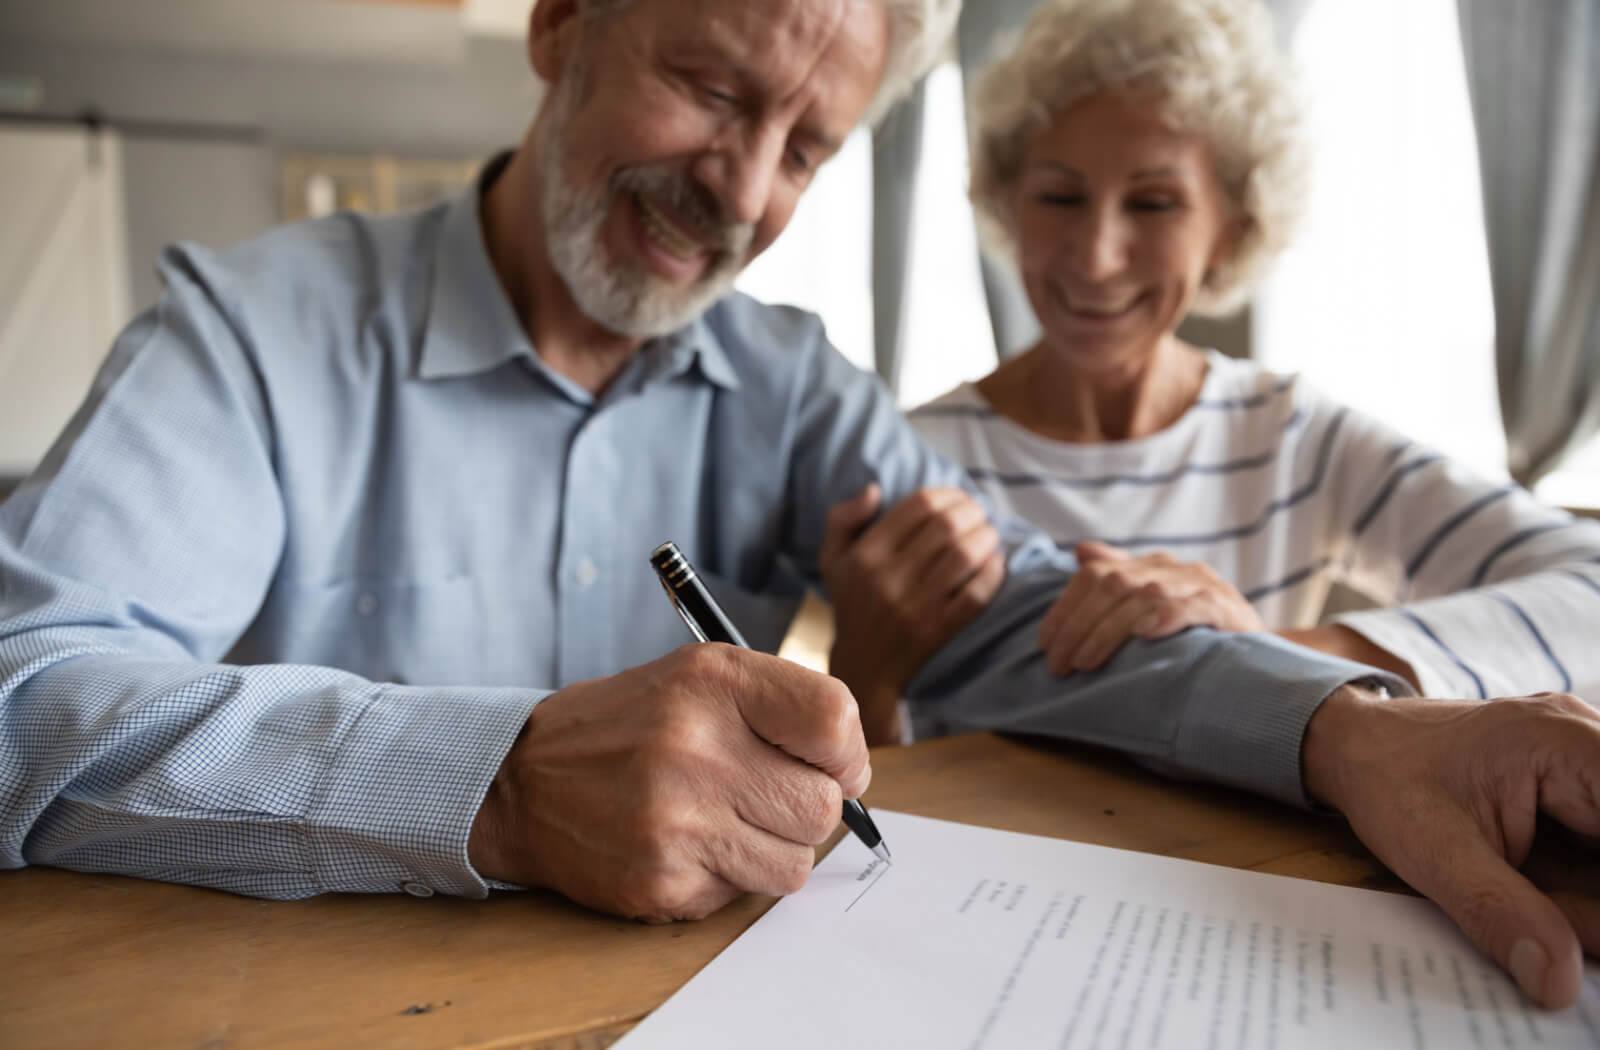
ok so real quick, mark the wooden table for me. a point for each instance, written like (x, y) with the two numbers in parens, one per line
(104, 961)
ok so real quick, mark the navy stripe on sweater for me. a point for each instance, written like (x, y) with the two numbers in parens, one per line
(1566, 679)
(1022, 480)
(1510, 542)
(1455, 522)
(1294, 579)
(1324, 453)
(1483, 694)
(1382, 498)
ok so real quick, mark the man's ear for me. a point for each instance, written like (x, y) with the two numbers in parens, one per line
(553, 29)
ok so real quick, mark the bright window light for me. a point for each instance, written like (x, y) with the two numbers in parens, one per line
(946, 335)
(822, 261)
(1384, 301)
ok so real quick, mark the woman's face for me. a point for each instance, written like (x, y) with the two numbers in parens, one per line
(1118, 219)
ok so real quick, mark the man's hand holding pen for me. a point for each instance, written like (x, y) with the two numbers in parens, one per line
(666, 791)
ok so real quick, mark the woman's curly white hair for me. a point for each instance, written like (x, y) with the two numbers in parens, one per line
(1213, 69)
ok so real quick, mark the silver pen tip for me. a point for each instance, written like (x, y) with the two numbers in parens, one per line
(882, 853)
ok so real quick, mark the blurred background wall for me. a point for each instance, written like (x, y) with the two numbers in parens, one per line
(129, 124)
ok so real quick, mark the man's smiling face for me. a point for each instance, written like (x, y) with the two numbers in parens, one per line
(679, 135)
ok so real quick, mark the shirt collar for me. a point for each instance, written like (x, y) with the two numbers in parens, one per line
(472, 328)
(696, 343)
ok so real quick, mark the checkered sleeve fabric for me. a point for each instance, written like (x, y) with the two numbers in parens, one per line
(278, 781)
(130, 563)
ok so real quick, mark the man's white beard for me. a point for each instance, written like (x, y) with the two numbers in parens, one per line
(624, 296)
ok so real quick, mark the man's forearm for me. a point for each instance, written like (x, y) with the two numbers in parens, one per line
(1224, 707)
(272, 781)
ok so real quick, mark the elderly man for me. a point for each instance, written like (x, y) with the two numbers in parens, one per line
(338, 581)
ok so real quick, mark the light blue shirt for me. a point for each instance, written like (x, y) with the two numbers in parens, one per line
(326, 530)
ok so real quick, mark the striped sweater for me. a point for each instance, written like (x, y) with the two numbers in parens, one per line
(1482, 589)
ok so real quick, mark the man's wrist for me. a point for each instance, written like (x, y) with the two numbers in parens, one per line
(491, 833)
(877, 700)
(1332, 738)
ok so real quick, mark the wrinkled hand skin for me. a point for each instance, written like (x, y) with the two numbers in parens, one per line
(1114, 597)
(666, 791)
(1450, 795)
(901, 586)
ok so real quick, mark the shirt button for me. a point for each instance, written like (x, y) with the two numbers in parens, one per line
(587, 572)
(417, 889)
(366, 605)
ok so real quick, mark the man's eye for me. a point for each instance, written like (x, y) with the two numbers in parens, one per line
(800, 160)
(718, 95)
(1153, 204)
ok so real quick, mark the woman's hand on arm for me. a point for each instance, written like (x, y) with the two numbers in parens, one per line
(901, 586)
(1115, 596)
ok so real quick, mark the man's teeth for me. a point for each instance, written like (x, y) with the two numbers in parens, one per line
(666, 234)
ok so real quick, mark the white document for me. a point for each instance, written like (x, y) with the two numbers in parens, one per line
(975, 938)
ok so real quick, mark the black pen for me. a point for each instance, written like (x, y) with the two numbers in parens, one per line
(707, 622)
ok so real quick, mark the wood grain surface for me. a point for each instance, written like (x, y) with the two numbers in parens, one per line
(105, 961)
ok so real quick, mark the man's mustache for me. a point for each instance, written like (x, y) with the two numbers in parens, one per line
(691, 201)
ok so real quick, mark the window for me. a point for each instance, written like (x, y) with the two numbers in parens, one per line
(823, 260)
(946, 337)
(1383, 302)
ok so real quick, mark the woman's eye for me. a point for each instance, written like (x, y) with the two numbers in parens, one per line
(1153, 204)
(1062, 200)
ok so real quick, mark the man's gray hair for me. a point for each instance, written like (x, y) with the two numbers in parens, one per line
(918, 30)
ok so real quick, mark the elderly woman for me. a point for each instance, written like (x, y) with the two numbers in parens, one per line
(1137, 162)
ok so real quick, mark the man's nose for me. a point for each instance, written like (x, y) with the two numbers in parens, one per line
(741, 168)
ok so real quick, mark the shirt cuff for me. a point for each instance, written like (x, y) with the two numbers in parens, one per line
(1252, 703)
(396, 806)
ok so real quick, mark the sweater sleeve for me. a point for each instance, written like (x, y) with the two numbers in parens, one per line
(1486, 591)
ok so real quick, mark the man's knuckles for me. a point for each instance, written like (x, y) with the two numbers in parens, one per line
(682, 733)
(1566, 706)
(667, 894)
(819, 810)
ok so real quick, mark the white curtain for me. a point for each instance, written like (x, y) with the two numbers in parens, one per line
(1533, 68)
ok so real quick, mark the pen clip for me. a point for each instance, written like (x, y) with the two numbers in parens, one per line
(683, 614)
